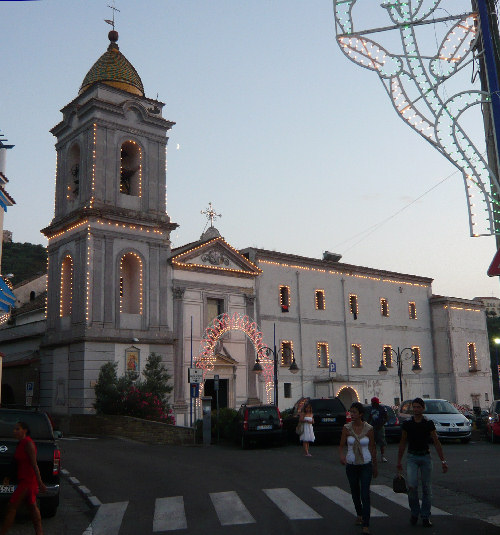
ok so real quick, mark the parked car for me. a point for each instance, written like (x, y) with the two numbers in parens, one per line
(493, 422)
(450, 422)
(258, 424)
(48, 456)
(330, 415)
(392, 426)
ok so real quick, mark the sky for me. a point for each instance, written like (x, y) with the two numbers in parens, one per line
(298, 149)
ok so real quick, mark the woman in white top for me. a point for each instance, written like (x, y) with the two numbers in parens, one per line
(360, 462)
(307, 435)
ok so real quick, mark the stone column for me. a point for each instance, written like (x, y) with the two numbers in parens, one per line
(179, 381)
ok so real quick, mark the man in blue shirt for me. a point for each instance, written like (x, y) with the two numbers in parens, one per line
(377, 418)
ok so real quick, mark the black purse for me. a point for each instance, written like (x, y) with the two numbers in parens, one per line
(399, 485)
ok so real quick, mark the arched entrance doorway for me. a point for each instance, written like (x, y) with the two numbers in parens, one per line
(348, 396)
(220, 325)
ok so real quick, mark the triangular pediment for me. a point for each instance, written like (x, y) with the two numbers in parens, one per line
(215, 255)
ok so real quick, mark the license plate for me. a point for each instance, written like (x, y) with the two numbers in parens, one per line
(7, 489)
(328, 419)
(262, 427)
(455, 429)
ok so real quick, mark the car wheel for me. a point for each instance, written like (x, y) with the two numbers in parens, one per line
(48, 506)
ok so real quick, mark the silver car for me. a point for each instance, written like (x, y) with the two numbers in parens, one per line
(449, 422)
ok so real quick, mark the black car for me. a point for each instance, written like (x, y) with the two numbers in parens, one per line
(258, 424)
(330, 415)
(392, 426)
(48, 456)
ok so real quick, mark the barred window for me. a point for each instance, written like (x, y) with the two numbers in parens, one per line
(320, 300)
(384, 307)
(323, 354)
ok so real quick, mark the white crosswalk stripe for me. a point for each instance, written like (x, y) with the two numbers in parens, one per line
(344, 499)
(108, 519)
(169, 514)
(401, 499)
(230, 509)
(291, 505)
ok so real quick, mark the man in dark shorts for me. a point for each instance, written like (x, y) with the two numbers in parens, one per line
(377, 418)
(416, 433)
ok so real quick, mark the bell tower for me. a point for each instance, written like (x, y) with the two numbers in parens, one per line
(109, 239)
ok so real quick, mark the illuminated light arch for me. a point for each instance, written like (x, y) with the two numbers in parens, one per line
(433, 117)
(345, 391)
(236, 322)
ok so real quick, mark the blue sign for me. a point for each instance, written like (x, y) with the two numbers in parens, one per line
(29, 388)
(195, 390)
(333, 367)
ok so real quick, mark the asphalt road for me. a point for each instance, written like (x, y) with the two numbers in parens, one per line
(158, 489)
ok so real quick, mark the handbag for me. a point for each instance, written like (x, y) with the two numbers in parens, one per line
(300, 428)
(399, 485)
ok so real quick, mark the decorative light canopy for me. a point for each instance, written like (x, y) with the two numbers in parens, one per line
(434, 117)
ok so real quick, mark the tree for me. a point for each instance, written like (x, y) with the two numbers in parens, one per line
(156, 378)
(107, 395)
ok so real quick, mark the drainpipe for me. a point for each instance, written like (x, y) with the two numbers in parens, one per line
(300, 335)
(347, 367)
(453, 383)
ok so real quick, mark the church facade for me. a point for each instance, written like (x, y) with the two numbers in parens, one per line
(117, 291)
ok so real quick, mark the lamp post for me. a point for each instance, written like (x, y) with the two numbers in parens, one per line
(416, 368)
(268, 351)
(496, 392)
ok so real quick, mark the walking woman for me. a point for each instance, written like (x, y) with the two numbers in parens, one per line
(307, 435)
(28, 480)
(360, 462)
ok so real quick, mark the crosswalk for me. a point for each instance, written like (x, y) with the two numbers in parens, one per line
(170, 512)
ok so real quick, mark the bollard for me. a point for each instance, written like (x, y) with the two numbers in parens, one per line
(206, 407)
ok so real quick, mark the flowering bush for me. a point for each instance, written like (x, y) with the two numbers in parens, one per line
(141, 404)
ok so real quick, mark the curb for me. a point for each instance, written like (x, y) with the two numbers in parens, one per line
(92, 501)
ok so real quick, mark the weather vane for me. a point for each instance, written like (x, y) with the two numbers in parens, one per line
(211, 214)
(112, 22)
(415, 83)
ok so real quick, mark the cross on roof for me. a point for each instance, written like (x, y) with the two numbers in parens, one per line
(211, 214)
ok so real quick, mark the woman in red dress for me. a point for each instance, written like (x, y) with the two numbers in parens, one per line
(29, 481)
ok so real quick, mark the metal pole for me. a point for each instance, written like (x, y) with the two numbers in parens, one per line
(496, 391)
(190, 396)
(275, 357)
(400, 373)
(484, 8)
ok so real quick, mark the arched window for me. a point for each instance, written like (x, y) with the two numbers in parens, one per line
(131, 284)
(32, 295)
(73, 180)
(66, 300)
(131, 169)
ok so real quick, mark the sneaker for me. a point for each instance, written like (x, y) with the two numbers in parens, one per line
(384, 460)
(413, 520)
(426, 523)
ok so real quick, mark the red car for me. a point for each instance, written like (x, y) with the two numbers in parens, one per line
(493, 422)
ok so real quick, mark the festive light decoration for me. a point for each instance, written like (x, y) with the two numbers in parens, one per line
(4, 318)
(353, 304)
(349, 388)
(384, 307)
(69, 229)
(128, 184)
(412, 310)
(286, 352)
(221, 325)
(345, 273)
(87, 298)
(416, 355)
(285, 298)
(319, 300)
(471, 352)
(356, 358)
(94, 154)
(463, 308)
(127, 280)
(435, 118)
(387, 354)
(323, 354)
(66, 289)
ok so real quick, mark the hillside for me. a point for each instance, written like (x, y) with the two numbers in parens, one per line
(23, 260)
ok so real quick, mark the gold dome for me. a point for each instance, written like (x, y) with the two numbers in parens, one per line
(114, 69)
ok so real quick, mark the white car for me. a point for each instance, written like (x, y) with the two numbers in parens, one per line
(449, 422)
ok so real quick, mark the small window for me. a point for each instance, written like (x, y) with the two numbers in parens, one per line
(286, 353)
(285, 298)
(320, 299)
(387, 355)
(416, 355)
(73, 182)
(412, 310)
(384, 307)
(32, 295)
(215, 307)
(486, 397)
(356, 356)
(287, 390)
(353, 305)
(471, 350)
(323, 354)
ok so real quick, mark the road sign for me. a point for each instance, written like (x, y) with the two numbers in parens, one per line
(195, 375)
(195, 390)
(494, 269)
(333, 367)
(29, 388)
(216, 382)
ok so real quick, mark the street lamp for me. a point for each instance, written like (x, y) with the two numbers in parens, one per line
(497, 342)
(416, 368)
(268, 351)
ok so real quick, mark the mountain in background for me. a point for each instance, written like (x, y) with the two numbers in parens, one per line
(23, 260)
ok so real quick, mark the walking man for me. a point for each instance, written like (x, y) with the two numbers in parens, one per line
(377, 418)
(416, 433)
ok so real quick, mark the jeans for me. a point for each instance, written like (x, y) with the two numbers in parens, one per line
(360, 477)
(414, 463)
